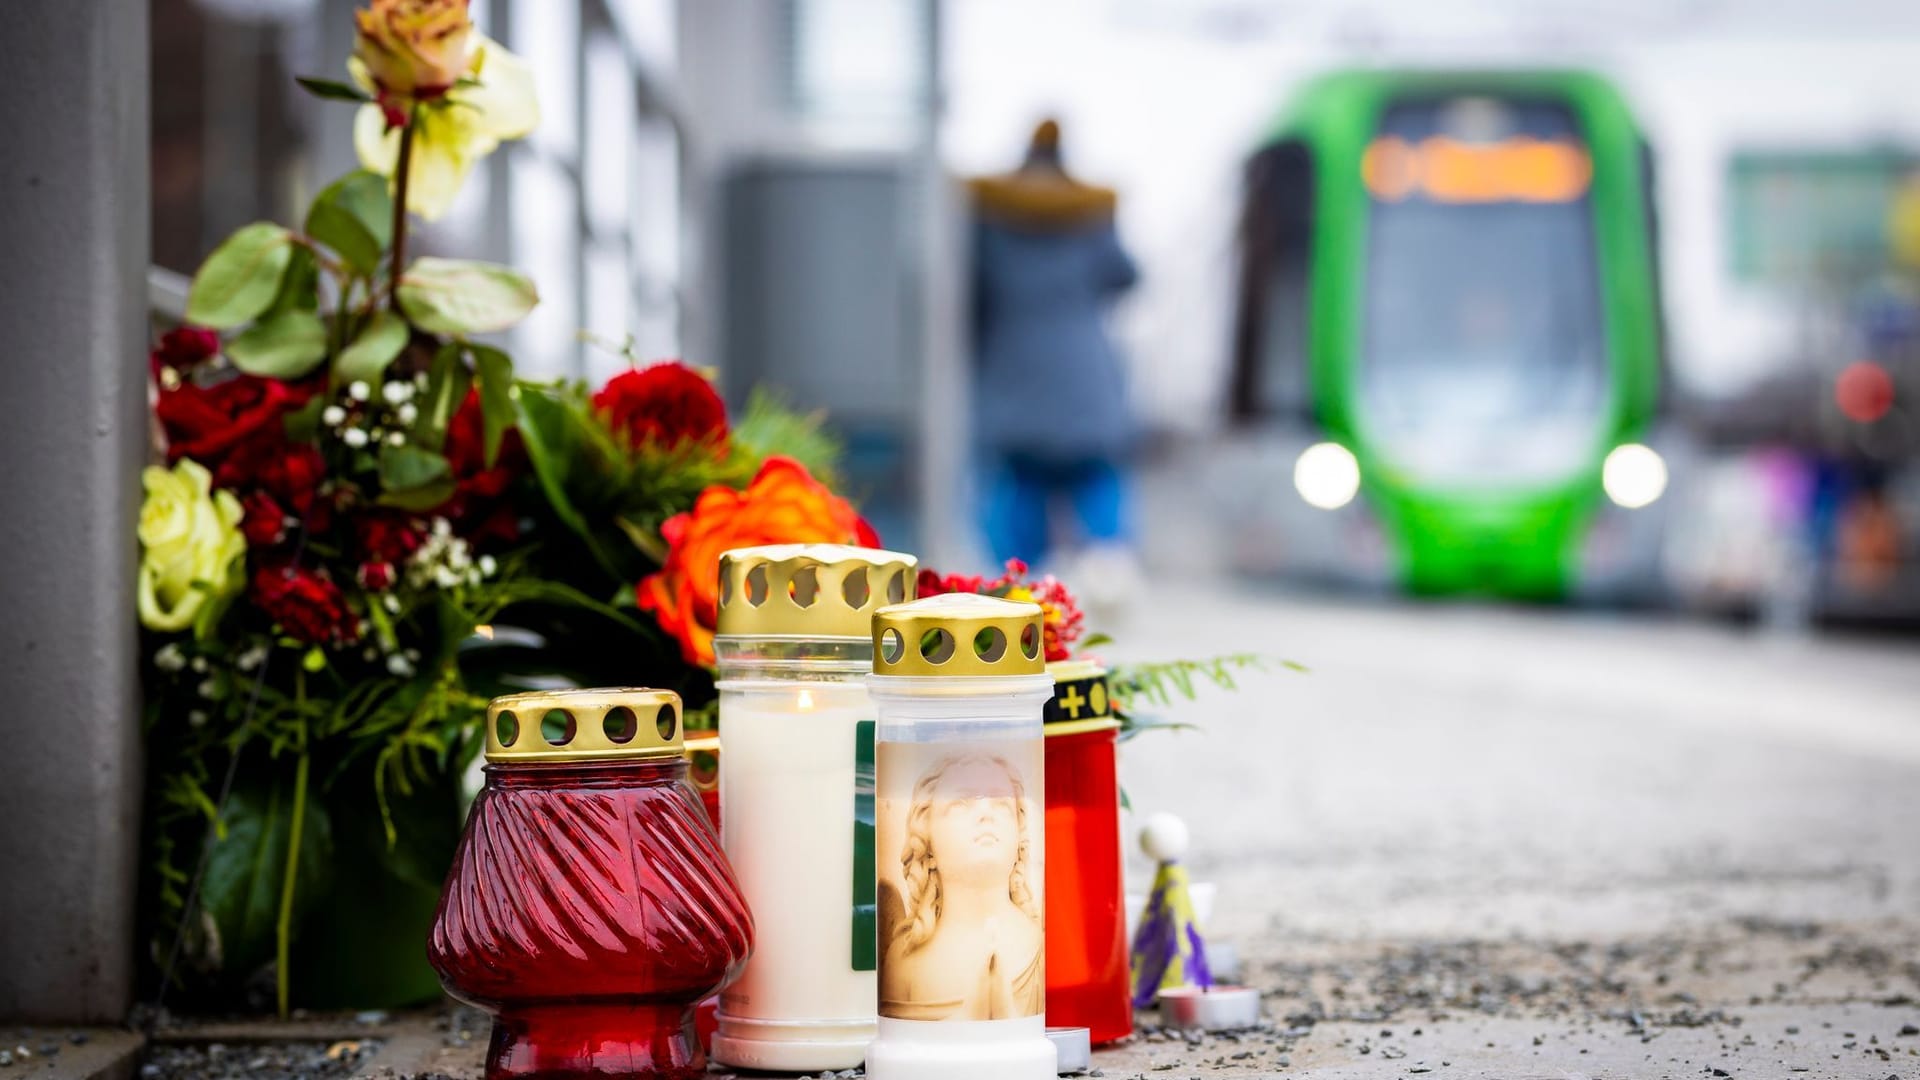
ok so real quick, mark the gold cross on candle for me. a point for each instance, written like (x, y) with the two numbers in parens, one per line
(1071, 702)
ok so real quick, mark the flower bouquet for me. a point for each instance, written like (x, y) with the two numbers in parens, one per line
(365, 526)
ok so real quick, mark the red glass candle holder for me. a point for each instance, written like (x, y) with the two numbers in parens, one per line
(589, 907)
(1087, 984)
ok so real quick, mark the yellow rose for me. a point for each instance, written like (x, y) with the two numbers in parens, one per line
(413, 50)
(496, 103)
(190, 545)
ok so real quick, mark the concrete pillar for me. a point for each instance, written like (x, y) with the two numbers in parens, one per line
(73, 215)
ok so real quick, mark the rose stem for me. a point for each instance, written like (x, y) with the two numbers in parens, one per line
(401, 175)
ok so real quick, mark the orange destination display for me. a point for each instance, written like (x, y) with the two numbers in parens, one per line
(1443, 169)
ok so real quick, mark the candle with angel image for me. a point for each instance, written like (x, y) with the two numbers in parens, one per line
(960, 841)
(961, 908)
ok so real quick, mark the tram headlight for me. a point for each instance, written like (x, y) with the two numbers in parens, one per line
(1633, 475)
(1326, 475)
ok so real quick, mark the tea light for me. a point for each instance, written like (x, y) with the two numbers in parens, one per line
(794, 646)
(959, 825)
(1219, 1008)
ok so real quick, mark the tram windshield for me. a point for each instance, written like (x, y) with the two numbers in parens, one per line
(1485, 355)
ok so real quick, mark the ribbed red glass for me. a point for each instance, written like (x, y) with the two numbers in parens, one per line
(1086, 916)
(589, 909)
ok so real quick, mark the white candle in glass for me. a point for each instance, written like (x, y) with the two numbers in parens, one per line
(787, 795)
(796, 789)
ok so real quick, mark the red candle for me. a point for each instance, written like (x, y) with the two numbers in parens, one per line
(589, 907)
(1087, 983)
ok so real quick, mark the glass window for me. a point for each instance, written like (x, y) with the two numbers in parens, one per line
(547, 35)
(546, 246)
(1484, 360)
(609, 103)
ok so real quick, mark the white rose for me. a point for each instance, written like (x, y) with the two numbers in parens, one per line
(190, 543)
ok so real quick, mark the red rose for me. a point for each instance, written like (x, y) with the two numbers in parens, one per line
(306, 605)
(476, 506)
(378, 576)
(206, 422)
(290, 472)
(186, 347)
(666, 404)
(466, 451)
(388, 537)
(265, 523)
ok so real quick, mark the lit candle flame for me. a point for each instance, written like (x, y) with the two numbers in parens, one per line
(806, 701)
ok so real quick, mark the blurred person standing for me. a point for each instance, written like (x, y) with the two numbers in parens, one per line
(1050, 406)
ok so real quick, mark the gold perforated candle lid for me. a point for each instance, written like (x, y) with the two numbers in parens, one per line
(604, 724)
(958, 634)
(809, 590)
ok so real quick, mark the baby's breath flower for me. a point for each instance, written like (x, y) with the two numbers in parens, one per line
(396, 392)
(168, 657)
(358, 390)
(333, 416)
(354, 437)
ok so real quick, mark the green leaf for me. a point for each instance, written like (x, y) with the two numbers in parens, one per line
(283, 346)
(496, 395)
(331, 90)
(405, 468)
(246, 869)
(421, 499)
(303, 424)
(353, 216)
(646, 540)
(1095, 640)
(371, 352)
(299, 285)
(553, 434)
(447, 384)
(456, 296)
(414, 479)
(241, 278)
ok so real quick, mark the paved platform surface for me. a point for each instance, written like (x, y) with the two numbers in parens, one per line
(1657, 847)
(1485, 842)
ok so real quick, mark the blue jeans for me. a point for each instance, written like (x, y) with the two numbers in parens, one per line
(1021, 491)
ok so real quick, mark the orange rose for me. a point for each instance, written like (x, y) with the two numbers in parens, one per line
(783, 505)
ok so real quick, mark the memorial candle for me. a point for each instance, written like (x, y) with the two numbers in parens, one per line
(588, 907)
(796, 797)
(961, 841)
(1087, 976)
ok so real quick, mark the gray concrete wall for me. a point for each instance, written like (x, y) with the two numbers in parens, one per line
(73, 338)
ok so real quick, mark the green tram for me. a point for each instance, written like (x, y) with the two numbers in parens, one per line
(1449, 283)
